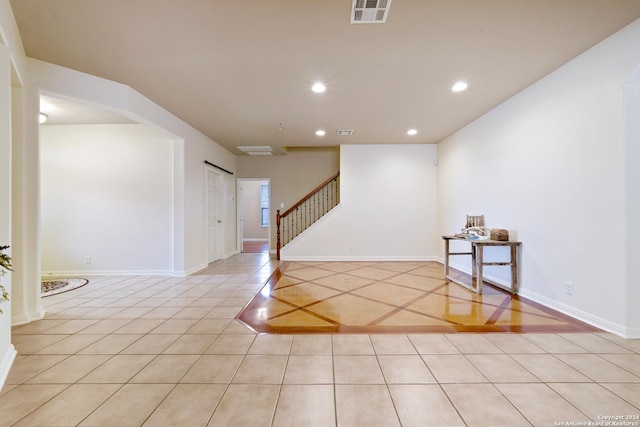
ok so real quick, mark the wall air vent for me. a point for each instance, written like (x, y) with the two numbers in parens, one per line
(345, 132)
(370, 11)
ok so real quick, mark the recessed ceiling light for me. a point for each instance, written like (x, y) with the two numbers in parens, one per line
(412, 132)
(459, 87)
(318, 87)
(320, 132)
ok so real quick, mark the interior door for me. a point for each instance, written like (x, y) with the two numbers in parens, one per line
(213, 215)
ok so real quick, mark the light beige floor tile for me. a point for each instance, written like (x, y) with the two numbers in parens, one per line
(433, 344)
(593, 399)
(129, 406)
(392, 344)
(209, 326)
(594, 343)
(312, 345)
(174, 326)
(213, 369)
(223, 312)
(71, 345)
(165, 369)
(132, 313)
(405, 369)
(162, 313)
(473, 344)
(453, 368)
(111, 344)
(597, 368)
(118, 370)
(237, 327)
(309, 370)
(629, 362)
(553, 343)
(261, 369)
(246, 405)
(31, 344)
(192, 313)
(513, 343)
(271, 344)
(36, 327)
(352, 345)
(483, 405)
(364, 406)
(540, 404)
(71, 406)
(151, 344)
(70, 369)
(548, 368)
(106, 326)
(26, 367)
(424, 406)
(231, 344)
(24, 399)
(71, 327)
(499, 368)
(187, 405)
(627, 391)
(357, 370)
(305, 405)
(139, 326)
(190, 344)
(633, 345)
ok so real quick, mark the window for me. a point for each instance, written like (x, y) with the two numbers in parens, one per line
(264, 204)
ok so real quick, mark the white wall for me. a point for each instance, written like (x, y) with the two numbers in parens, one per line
(632, 136)
(191, 149)
(549, 165)
(11, 74)
(107, 193)
(387, 208)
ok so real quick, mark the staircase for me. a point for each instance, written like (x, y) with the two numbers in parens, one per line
(308, 210)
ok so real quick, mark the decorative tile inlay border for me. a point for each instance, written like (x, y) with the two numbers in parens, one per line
(390, 297)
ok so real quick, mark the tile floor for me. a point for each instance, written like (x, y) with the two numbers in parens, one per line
(163, 351)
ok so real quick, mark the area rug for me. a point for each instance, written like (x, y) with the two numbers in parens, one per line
(52, 286)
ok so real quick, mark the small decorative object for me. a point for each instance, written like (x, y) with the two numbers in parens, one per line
(5, 265)
(499, 234)
(474, 221)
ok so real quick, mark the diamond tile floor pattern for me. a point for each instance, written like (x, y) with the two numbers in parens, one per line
(400, 297)
(166, 351)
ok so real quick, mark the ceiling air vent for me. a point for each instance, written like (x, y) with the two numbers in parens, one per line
(370, 11)
(256, 150)
(345, 132)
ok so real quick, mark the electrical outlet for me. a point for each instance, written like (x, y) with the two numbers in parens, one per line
(87, 260)
(351, 249)
(568, 288)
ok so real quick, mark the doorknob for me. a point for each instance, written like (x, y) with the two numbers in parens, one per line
(219, 221)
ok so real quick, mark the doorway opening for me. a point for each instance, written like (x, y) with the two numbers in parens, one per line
(254, 212)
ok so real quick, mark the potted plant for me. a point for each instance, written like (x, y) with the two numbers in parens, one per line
(5, 265)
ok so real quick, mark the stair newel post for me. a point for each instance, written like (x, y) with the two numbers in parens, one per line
(278, 234)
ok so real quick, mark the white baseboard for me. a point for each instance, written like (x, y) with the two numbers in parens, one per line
(27, 318)
(580, 315)
(583, 316)
(284, 257)
(5, 364)
(73, 273)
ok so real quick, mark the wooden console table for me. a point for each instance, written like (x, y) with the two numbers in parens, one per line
(477, 262)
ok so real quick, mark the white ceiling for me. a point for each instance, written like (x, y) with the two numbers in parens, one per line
(241, 71)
